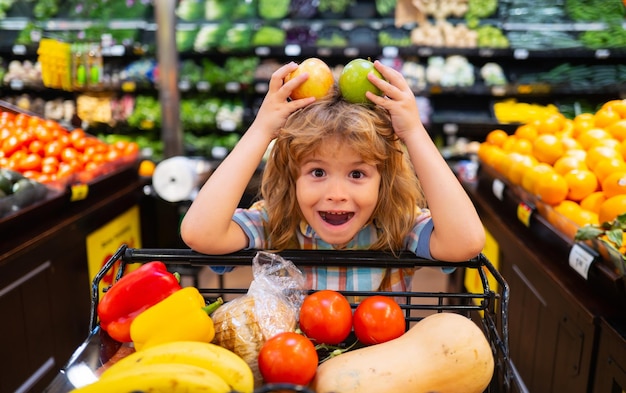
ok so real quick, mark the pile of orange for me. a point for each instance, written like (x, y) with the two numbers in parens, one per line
(578, 166)
(44, 151)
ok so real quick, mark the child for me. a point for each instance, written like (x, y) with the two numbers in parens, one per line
(338, 177)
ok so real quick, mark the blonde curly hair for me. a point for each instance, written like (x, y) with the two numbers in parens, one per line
(368, 130)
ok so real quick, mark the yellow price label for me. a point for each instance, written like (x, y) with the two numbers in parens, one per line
(78, 192)
(524, 212)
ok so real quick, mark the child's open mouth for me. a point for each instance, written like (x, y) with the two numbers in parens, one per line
(336, 218)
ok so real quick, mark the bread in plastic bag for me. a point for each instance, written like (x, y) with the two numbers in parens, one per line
(270, 306)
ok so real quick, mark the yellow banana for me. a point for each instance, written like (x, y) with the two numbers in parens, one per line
(228, 365)
(159, 378)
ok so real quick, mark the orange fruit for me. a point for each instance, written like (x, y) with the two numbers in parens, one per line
(614, 184)
(591, 136)
(578, 153)
(582, 123)
(581, 183)
(519, 167)
(611, 208)
(529, 178)
(567, 208)
(618, 129)
(496, 137)
(599, 153)
(606, 166)
(523, 146)
(604, 117)
(551, 124)
(586, 217)
(608, 142)
(526, 131)
(593, 201)
(566, 163)
(551, 188)
(509, 143)
(618, 106)
(547, 148)
(570, 143)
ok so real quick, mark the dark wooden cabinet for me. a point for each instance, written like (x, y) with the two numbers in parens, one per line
(554, 314)
(44, 280)
(611, 365)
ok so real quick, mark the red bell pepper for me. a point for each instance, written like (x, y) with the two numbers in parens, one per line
(132, 294)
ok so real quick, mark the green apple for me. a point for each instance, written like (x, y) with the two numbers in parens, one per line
(353, 81)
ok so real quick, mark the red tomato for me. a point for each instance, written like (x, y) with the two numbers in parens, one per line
(326, 317)
(378, 319)
(288, 357)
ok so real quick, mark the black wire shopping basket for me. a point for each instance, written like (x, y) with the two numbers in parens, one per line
(488, 306)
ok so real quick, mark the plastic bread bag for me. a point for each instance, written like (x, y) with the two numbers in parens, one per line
(270, 306)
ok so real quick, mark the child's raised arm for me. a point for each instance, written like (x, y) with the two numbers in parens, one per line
(208, 227)
(458, 233)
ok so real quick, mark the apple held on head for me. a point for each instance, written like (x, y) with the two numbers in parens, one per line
(319, 82)
(353, 82)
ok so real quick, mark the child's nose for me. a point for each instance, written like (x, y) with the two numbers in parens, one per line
(337, 190)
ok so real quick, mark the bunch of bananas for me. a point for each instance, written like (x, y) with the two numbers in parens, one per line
(179, 366)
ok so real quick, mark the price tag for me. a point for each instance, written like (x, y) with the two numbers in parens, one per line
(228, 125)
(498, 90)
(261, 87)
(232, 87)
(262, 51)
(106, 39)
(78, 192)
(485, 52)
(129, 86)
(19, 50)
(16, 84)
(524, 212)
(219, 152)
(324, 52)
(293, 50)
(390, 51)
(424, 51)
(603, 53)
(117, 50)
(351, 52)
(497, 187)
(35, 35)
(203, 86)
(520, 54)
(184, 85)
(581, 258)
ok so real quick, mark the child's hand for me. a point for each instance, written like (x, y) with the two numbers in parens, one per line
(397, 98)
(275, 108)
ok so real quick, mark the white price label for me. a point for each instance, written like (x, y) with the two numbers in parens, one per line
(351, 52)
(324, 52)
(390, 51)
(497, 187)
(520, 54)
(603, 53)
(203, 86)
(184, 85)
(19, 49)
(262, 51)
(261, 87)
(293, 50)
(232, 87)
(580, 259)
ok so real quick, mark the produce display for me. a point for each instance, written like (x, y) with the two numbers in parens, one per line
(40, 157)
(266, 343)
(573, 169)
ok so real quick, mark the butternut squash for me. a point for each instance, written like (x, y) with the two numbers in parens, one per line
(443, 353)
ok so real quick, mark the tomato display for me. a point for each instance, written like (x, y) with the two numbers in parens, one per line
(326, 317)
(288, 357)
(378, 319)
(46, 152)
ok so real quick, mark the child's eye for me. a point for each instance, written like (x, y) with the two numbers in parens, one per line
(356, 174)
(317, 172)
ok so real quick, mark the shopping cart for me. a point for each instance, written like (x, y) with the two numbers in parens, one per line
(487, 306)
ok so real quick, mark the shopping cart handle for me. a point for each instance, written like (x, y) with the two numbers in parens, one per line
(361, 258)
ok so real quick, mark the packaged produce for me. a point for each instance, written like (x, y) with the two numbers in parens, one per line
(131, 295)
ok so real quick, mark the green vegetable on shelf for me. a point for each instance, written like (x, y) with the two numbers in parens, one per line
(273, 9)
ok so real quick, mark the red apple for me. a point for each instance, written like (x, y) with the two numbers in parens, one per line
(353, 81)
(319, 83)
